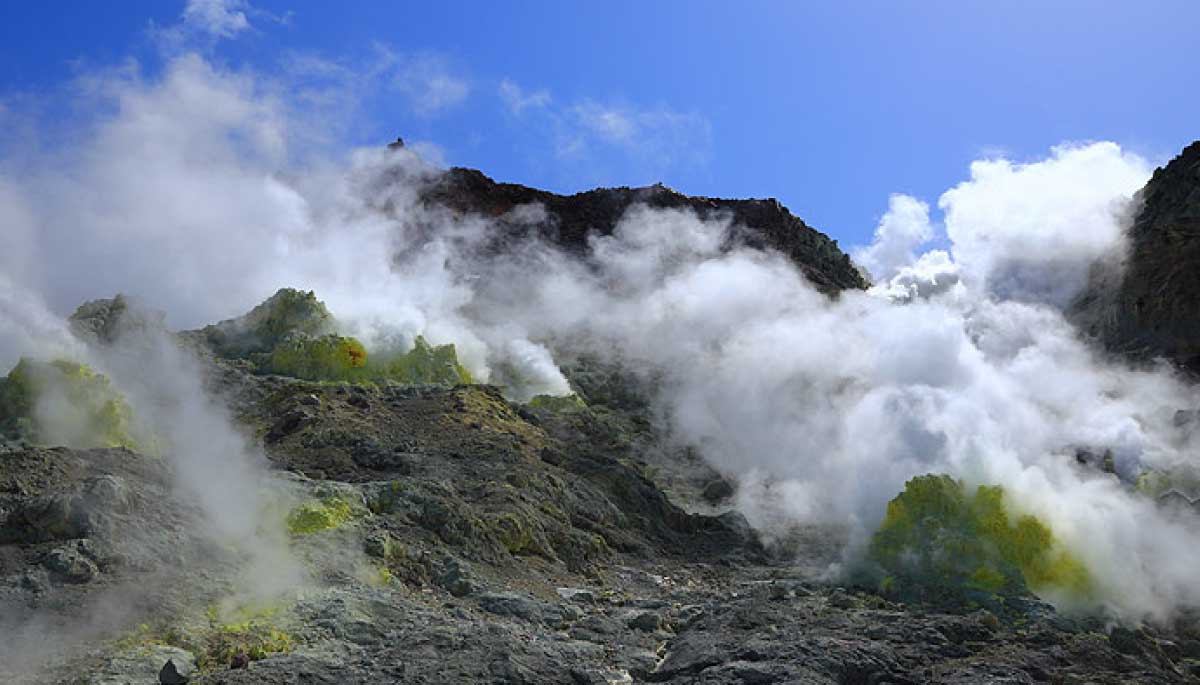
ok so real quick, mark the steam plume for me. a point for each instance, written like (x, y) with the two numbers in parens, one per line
(959, 361)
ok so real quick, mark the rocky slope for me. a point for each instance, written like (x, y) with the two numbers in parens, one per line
(450, 535)
(1150, 307)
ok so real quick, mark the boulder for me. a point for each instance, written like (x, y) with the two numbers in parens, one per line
(69, 564)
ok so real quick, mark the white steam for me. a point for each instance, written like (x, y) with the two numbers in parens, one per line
(188, 194)
(901, 231)
(215, 467)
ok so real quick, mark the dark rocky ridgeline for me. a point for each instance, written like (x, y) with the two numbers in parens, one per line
(1151, 308)
(571, 218)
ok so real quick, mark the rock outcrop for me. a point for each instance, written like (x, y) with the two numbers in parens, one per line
(1152, 307)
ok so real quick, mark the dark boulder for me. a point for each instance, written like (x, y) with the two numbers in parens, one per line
(169, 675)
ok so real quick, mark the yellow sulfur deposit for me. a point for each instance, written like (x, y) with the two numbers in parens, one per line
(938, 540)
(64, 403)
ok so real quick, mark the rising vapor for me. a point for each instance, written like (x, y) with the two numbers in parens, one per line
(201, 192)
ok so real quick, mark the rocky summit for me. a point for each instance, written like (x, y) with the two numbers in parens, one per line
(570, 221)
(425, 528)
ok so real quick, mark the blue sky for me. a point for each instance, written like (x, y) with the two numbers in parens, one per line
(829, 107)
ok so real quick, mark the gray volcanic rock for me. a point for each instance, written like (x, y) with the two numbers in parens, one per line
(570, 219)
(1152, 309)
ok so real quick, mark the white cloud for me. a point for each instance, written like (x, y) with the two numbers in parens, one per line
(1031, 231)
(220, 18)
(902, 229)
(933, 273)
(660, 132)
(1027, 232)
(429, 85)
(518, 100)
(587, 132)
(608, 123)
(204, 23)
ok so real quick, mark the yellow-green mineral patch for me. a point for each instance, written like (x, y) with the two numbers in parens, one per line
(311, 517)
(256, 639)
(293, 334)
(940, 542)
(64, 403)
(327, 358)
(426, 364)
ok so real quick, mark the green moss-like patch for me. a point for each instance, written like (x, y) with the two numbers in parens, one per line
(939, 542)
(64, 403)
(324, 514)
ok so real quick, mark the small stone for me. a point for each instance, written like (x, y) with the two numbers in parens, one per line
(717, 491)
(169, 675)
(577, 595)
(378, 544)
(595, 628)
(689, 614)
(646, 621)
(570, 613)
(456, 578)
(840, 600)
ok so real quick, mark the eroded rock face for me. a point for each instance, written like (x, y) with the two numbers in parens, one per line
(1152, 309)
